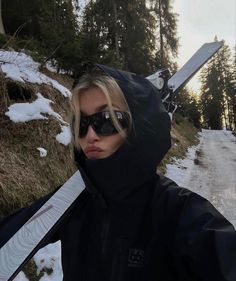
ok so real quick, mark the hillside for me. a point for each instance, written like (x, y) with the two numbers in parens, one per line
(24, 174)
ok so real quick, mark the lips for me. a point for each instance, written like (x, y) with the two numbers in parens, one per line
(92, 151)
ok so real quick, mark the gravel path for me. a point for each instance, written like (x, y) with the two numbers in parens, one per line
(212, 171)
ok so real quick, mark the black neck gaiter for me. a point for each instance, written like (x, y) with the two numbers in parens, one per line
(117, 176)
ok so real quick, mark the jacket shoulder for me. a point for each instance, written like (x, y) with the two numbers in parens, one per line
(185, 210)
(196, 232)
(169, 193)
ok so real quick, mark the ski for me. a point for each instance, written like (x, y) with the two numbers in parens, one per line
(181, 77)
(25, 242)
(170, 86)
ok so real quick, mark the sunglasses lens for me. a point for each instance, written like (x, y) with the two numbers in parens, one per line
(84, 124)
(102, 123)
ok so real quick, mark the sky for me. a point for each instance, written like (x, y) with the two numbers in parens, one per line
(199, 21)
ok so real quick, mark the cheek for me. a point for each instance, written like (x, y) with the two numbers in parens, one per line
(114, 142)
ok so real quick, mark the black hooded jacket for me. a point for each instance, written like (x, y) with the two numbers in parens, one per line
(131, 224)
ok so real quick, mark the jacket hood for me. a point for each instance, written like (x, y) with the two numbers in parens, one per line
(135, 162)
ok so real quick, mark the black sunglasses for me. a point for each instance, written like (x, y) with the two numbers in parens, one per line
(102, 123)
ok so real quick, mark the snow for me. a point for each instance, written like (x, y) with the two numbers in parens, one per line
(49, 257)
(23, 112)
(21, 67)
(50, 65)
(209, 170)
(20, 277)
(178, 169)
(65, 136)
(43, 152)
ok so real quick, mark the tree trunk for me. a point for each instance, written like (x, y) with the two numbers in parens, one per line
(161, 36)
(230, 115)
(116, 31)
(2, 30)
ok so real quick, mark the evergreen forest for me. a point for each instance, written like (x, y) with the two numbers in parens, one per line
(135, 35)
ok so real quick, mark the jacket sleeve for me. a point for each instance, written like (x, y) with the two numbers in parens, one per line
(204, 241)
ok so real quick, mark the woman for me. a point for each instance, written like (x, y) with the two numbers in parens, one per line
(130, 223)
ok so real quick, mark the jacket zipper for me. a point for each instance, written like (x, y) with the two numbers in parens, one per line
(105, 230)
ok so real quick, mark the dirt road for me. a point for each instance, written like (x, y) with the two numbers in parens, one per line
(212, 171)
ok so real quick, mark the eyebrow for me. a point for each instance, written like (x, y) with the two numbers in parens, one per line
(100, 108)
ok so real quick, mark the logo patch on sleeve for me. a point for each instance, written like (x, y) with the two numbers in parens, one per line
(136, 258)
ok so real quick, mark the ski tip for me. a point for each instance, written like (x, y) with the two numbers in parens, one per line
(217, 44)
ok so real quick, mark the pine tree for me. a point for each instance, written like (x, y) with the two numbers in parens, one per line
(51, 22)
(217, 91)
(211, 97)
(229, 92)
(166, 34)
(2, 30)
(188, 106)
(233, 91)
(138, 37)
(120, 33)
(20, 17)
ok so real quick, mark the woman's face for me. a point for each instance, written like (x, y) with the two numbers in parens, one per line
(93, 145)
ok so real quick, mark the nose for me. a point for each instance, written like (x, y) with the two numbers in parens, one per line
(91, 135)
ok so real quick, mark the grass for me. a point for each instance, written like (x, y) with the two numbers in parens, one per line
(183, 135)
(24, 175)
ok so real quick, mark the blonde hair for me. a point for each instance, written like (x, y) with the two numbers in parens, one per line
(111, 91)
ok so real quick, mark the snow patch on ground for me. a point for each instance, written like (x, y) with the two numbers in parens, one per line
(209, 170)
(65, 136)
(43, 152)
(177, 170)
(24, 112)
(21, 67)
(49, 257)
(52, 66)
(20, 277)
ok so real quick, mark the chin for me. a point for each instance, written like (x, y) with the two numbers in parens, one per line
(96, 156)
